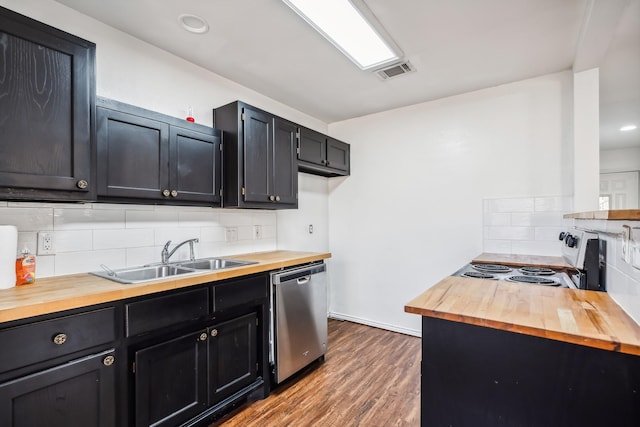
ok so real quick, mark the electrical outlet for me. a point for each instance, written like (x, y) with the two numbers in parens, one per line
(257, 232)
(45, 243)
(232, 234)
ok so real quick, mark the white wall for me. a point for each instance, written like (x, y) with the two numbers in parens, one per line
(620, 160)
(411, 211)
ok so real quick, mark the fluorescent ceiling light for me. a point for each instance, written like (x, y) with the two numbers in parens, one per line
(344, 25)
(628, 128)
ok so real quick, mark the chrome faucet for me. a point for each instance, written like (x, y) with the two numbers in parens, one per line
(165, 255)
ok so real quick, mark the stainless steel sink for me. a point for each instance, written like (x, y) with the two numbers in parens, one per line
(214, 263)
(161, 271)
(143, 274)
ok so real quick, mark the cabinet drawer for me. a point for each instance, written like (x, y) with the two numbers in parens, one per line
(239, 292)
(164, 311)
(40, 341)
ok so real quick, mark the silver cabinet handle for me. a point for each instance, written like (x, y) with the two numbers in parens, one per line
(304, 280)
(174, 193)
(82, 184)
(214, 332)
(166, 193)
(203, 336)
(60, 339)
(108, 361)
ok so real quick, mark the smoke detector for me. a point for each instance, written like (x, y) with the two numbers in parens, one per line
(395, 70)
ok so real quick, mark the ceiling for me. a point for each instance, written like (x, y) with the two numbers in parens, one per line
(455, 46)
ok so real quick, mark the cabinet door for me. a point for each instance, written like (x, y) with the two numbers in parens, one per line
(171, 381)
(77, 394)
(233, 352)
(47, 95)
(258, 143)
(313, 147)
(134, 156)
(337, 154)
(285, 163)
(195, 165)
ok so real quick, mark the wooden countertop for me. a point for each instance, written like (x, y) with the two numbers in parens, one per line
(620, 214)
(523, 260)
(581, 317)
(60, 293)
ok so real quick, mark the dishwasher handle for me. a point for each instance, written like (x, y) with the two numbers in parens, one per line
(296, 273)
(303, 280)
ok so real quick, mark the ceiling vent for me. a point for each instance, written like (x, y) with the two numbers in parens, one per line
(395, 70)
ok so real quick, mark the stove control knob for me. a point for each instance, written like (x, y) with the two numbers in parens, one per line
(562, 235)
(571, 241)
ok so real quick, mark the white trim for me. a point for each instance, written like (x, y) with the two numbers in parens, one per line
(379, 325)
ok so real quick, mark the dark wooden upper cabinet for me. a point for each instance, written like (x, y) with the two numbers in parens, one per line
(47, 100)
(147, 156)
(260, 161)
(323, 155)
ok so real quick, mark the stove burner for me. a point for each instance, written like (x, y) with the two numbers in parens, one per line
(537, 271)
(492, 268)
(479, 275)
(534, 280)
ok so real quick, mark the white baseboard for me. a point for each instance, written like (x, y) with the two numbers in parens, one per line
(386, 326)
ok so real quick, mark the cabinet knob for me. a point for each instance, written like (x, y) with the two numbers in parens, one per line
(108, 361)
(277, 198)
(214, 332)
(174, 193)
(82, 184)
(323, 161)
(272, 198)
(60, 339)
(203, 336)
(166, 193)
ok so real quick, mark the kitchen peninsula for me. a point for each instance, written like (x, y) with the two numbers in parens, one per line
(502, 354)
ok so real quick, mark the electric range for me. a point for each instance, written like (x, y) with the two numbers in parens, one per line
(525, 274)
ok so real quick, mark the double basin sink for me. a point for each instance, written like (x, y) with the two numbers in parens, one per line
(162, 271)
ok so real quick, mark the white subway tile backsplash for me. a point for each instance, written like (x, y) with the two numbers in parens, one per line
(522, 204)
(87, 235)
(73, 240)
(45, 266)
(87, 219)
(532, 228)
(213, 234)
(136, 218)
(503, 218)
(27, 240)
(80, 262)
(208, 218)
(498, 246)
(27, 219)
(511, 233)
(549, 233)
(142, 256)
(536, 247)
(554, 204)
(123, 238)
(176, 235)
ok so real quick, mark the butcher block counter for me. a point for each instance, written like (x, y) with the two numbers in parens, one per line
(576, 316)
(49, 295)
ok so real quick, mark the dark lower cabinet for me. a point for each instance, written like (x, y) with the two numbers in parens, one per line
(233, 354)
(171, 381)
(80, 393)
(477, 376)
(178, 379)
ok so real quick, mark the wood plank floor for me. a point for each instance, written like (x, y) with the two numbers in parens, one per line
(370, 378)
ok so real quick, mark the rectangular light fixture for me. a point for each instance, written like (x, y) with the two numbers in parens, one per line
(353, 30)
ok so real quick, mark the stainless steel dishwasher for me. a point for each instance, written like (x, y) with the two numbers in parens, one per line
(298, 331)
